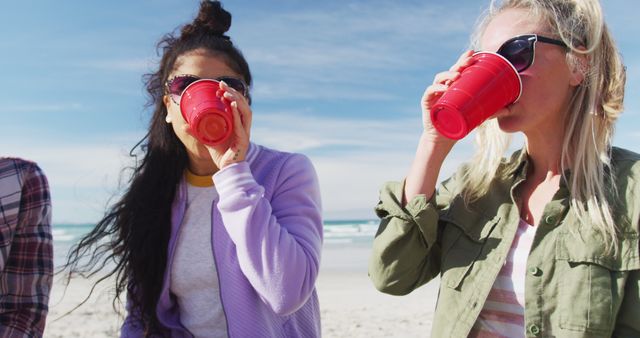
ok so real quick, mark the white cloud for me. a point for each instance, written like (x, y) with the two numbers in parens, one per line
(137, 65)
(353, 157)
(303, 90)
(40, 108)
(82, 177)
(350, 183)
(627, 134)
(300, 132)
(347, 51)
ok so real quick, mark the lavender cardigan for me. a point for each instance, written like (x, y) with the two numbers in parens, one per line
(267, 237)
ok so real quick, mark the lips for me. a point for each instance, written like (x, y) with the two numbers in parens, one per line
(506, 111)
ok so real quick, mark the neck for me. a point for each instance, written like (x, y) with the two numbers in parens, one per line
(202, 167)
(545, 154)
(544, 143)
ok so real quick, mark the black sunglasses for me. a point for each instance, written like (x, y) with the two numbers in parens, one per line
(520, 51)
(176, 85)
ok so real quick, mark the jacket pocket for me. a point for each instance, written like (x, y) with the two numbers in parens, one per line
(465, 233)
(591, 281)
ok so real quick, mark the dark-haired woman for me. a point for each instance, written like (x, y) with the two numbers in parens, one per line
(212, 241)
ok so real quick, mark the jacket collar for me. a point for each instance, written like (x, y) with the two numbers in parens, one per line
(518, 163)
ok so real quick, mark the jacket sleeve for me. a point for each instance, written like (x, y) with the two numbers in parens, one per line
(627, 323)
(628, 319)
(406, 251)
(26, 272)
(278, 241)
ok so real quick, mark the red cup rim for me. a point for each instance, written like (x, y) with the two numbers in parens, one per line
(191, 84)
(182, 111)
(221, 138)
(510, 65)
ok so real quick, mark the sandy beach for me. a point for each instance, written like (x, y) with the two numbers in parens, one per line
(350, 306)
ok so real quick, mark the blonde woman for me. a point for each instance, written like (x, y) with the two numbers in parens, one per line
(543, 242)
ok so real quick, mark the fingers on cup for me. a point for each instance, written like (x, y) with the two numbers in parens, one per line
(463, 62)
(237, 118)
(228, 90)
(435, 90)
(234, 96)
(446, 78)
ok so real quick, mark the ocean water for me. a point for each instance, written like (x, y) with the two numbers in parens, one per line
(336, 232)
(350, 231)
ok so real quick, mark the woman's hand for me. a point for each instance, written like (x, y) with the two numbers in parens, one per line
(433, 147)
(432, 94)
(235, 149)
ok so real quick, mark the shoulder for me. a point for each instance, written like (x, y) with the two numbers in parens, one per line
(625, 166)
(624, 154)
(18, 165)
(264, 158)
(23, 187)
(623, 159)
(19, 170)
(507, 167)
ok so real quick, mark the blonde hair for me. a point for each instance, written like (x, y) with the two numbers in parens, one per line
(595, 105)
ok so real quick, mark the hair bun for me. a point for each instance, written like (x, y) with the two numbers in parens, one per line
(211, 19)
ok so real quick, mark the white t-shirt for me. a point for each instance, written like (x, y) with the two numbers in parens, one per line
(194, 279)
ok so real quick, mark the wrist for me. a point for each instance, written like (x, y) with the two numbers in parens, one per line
(238, 155)
(435, 144)
(232, 177)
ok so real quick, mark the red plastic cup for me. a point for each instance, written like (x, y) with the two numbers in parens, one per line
(205, 112)
(488, 85)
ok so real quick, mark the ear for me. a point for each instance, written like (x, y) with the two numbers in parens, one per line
(579, 68)
(166, 100)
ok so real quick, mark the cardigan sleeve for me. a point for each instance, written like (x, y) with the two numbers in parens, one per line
(278, 240)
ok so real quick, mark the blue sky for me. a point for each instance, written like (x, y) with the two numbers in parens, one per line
(339, 81)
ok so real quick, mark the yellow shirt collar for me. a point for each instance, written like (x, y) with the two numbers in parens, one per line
(197, 180)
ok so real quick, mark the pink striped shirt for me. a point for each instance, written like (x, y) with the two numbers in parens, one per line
(503, 312)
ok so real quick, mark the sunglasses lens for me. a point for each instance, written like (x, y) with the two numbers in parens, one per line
(179, 84)
(235, 84)
(518, 52)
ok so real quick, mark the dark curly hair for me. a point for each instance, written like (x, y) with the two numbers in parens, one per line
(134, 233)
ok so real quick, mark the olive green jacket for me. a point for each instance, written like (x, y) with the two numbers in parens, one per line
(573, 287)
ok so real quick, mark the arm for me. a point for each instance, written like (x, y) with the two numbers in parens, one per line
(433, 148)
(425, 168)
(279, 240)
(406, 251)
(27, 270)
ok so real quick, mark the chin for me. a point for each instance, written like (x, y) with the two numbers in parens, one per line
(198, 150)
(203, 153)
(509, 124)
